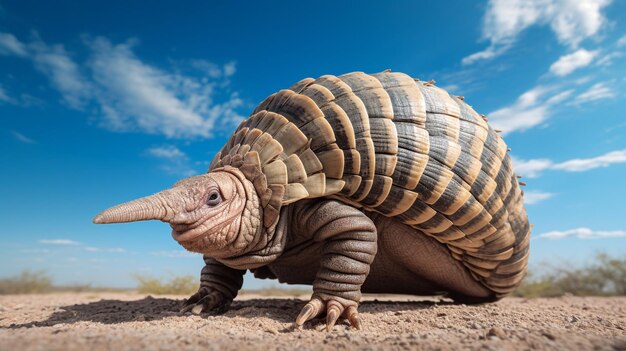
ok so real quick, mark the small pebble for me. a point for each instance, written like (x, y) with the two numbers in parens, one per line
(271, 330)
(548, 335)
(497, 331)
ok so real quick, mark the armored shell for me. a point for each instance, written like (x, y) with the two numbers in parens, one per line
(391, 144)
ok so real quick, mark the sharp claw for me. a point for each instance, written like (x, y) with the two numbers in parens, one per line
(353, 317)
(186, 309)
(305, 314)
(331, 317)
(356, 322)
(197, 309)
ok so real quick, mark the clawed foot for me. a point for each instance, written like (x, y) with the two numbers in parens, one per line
(206, 300)
(334, 308)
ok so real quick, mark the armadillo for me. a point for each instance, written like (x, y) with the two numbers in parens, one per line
(377, 183)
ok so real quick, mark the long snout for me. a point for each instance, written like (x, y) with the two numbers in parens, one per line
(150, 207)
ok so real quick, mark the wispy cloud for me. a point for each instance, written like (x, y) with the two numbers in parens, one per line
(530, 109)
(9, 45)
(131, 95)
(4, 97)
(54, 62)
(176, 162)
(100, 249)
(534, 168)
(567, 64)
(175, 254)
(135, 95)
(585, 164)
(609, 58)
(531, 168)
(582, 233)
(214, 70)
(21, 137)
(491, 52)
(63, 72)
(59, 242)
(598, 91)
(167, 151)
(24, 100)
(535, 197)
(75, 244)
(622, 41)
(572, 21)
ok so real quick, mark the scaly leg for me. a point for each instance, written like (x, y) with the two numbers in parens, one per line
(219, 285)
(348, 242)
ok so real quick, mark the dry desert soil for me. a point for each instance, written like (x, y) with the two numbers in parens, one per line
(130, 321)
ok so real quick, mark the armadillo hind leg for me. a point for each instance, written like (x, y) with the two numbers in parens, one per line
(409, 262)
(219, 285)
(347, 242)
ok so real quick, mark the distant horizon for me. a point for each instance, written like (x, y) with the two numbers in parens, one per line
(101, 104)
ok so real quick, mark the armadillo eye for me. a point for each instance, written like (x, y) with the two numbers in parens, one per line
(214, 199)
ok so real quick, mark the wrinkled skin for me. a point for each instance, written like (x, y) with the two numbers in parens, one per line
(205, 213)
(337, 248)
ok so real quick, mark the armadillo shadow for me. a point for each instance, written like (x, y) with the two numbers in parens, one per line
(151, 309)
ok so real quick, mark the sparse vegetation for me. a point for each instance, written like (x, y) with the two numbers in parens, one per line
(27, 282)
(606, 276)
(183, 285)
(38, 282)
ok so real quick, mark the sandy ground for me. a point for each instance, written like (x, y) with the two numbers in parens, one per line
(126, 321)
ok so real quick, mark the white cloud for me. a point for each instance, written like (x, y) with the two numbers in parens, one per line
(54, 62)
(4, 97)
(489, 53)
(135, 95)
(21, 137)
(132, 95)
(530, 168)
(230, 69)
(99, 249)
(597, 91)
(567, 64)
(176, 162)
(533, 168)
(585, 164)
(534, 197)
(62, 71)
(582, 233)
(175, 254)
(530, 109)
(59, 242)
(214, 70)
(622, 41)
(607, 59)
(571, 20)
(10, 45)
(167, 151)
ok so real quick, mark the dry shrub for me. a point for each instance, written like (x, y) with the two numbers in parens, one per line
(27, 282)
(182, 285)
(606, 276)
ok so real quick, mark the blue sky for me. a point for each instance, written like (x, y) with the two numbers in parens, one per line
(100, 104)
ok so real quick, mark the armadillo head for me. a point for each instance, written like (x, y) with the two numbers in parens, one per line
(216, 214)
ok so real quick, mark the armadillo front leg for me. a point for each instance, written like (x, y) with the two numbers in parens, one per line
(219, 285)
(348, 246)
